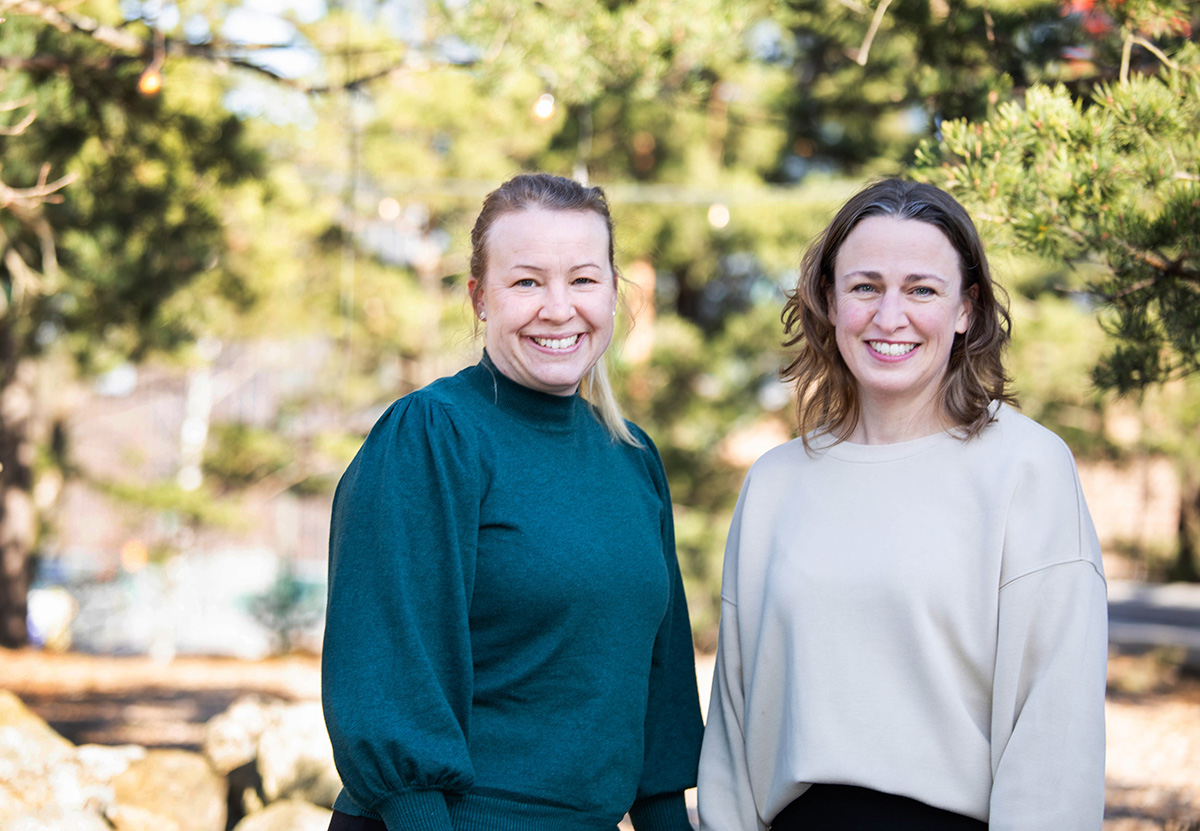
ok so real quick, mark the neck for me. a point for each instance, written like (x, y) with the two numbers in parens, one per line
(888, 421)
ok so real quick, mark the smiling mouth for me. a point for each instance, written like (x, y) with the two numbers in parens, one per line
(892, 350)
(556, 343)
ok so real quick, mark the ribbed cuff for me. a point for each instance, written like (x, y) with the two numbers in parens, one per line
(664, 812)
(415, 811)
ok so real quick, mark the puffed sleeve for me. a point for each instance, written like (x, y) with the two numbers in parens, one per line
(1051, 654)
(396, 661)
(674, 726)
(725, 796)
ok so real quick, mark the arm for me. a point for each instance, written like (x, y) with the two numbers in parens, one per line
(726, 800)
(396, 660)
(673, 722)
(1051, 655)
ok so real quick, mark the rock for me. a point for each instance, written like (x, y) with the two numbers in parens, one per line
(245, 791)
(133, 818)
(58, 819)
(295, 758)
(179, 788)
(98, 766)
(287, 815)
(231, 738)
(36, 765)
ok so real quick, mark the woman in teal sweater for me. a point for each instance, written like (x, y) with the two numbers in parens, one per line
(507, 642)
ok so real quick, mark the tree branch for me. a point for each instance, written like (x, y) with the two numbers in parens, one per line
(1155, 51)
(861, 60)
(216, 51)
(52, 16)
(41, 193)
(20, 126)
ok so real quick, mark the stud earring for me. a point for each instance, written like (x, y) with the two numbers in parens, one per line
(482, 314)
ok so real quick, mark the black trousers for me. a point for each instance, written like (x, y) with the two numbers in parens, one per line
(850, 808)
(345, 822)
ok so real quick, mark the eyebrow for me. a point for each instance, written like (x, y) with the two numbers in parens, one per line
(539, 270)
(908, 278)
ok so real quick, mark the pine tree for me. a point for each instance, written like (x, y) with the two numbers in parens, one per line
(1107, 179)
(94, 268)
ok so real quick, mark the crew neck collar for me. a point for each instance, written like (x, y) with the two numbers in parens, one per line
(874, 453)
(539, 409)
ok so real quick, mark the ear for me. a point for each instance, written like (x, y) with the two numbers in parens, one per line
(471, 284)
(968, 308)
(830, 307)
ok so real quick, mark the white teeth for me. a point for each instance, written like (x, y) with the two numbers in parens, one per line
(557, 343)
(893, 350)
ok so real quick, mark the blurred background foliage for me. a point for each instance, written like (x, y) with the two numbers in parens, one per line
(285, 189)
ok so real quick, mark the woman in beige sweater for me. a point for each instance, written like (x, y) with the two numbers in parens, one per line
(914, 625)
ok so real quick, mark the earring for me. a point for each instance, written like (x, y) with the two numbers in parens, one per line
(482, 314)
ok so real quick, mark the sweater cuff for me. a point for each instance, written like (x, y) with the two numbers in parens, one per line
(415, 811)
(663, 812)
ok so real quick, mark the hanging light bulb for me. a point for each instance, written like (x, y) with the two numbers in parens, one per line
(718, 215)
(543, 108)
(151, 80)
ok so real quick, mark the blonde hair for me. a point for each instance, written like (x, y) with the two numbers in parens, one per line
(554, 193)
(826, 392)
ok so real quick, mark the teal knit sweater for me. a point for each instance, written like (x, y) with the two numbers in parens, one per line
(507, 642)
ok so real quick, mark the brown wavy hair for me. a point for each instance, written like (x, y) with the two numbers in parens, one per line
(827, 400)
(553, 193)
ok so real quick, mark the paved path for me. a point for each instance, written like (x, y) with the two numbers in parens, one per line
(1142, 616)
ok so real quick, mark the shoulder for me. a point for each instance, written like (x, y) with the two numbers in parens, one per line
(435, 420)
(647, 452)
(783, 461)
(1017, 441)
(1047, 522)
(436, 406)
(1016, 428)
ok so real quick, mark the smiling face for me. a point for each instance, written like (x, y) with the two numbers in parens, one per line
(896, 304)
(548, 296)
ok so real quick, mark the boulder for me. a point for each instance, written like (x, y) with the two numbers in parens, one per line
(286, 744)
(295, 758)
(287, 815)
(231, 738)
(58, 819)
(178, 789)
(36, 770)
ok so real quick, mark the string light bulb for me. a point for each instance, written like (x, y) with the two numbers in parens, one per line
(543, 108)
(718, 215)
(151, 80)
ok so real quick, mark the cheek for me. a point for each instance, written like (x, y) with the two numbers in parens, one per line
(849, 318)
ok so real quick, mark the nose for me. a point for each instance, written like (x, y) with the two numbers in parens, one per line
(557, 305)
(890, 314)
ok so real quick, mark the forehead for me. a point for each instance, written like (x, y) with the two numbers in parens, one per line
(890, 244)
(541, 231)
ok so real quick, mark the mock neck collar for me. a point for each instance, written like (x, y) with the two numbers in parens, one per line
(538, 409)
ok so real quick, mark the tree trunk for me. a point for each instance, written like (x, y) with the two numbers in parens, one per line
(1185, 566)
(18, 522)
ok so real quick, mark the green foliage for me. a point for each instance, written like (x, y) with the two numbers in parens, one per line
(288, 608)
(195, 507)
(145, 217)
(240, 455)
(1110, 183)
(1102, 177)
(863, 97)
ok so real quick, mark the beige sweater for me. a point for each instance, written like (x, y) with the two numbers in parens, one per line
(925, 618)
